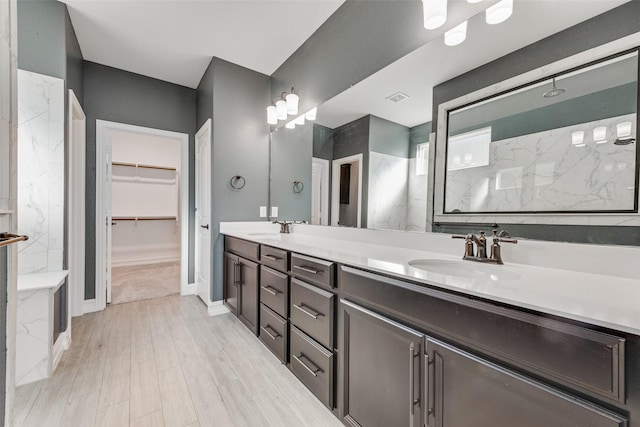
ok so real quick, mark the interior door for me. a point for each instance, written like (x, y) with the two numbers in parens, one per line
(108, 202)
(203, 212)
(316, 193)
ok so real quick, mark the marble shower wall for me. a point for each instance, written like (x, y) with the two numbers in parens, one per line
(40, 172)
(416, 199)
(545, 172)
(388, 191)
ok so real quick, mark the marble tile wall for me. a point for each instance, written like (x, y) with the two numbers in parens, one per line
(33, 336)
(40, 172)
(545, 172)
(388, 192)
(416, 199)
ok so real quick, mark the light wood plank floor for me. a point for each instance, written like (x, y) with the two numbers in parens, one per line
(164, 362)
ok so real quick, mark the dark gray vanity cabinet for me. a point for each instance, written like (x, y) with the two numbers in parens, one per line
(381, 372)
(241, 280)
(274, 301)
(464, 390)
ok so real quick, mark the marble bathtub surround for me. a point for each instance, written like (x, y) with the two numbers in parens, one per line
(548, 277)
(40, 172)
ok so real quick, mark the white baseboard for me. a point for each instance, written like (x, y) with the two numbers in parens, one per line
(145, 261)
(192, 289)
(62, 343)
(90, 305)
(217, 308)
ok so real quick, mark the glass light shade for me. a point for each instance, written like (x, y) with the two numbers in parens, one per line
(456, 35)
(435, 13)
(291, 124)
(281, 109)
(300, 120)
(499, 12)
(600, 135)
(311, 114)
(577, 138)
(474, 1)
(623, 129)
(292, 103)
(272, 116)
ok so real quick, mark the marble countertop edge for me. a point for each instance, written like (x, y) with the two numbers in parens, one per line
(51, 280)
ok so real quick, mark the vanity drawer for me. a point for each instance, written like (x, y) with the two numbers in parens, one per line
(313, 365)
(533, 343)
(274, 290)
(314, 270)
(244, 248)
(273, 332)
(274, 258)
(312, 310)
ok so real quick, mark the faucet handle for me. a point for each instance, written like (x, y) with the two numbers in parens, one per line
(497, 239)
(460, 236)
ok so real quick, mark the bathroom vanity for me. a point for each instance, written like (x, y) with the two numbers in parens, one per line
(381, 341)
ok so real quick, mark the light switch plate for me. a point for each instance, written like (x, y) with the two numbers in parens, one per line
(263, 211)
(274, 211)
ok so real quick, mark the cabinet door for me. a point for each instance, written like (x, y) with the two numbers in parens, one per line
(464, 390)
(381, 360)
(249, 303)
(231, 282)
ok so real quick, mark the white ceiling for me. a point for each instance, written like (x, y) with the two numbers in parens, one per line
(174, 40)
(417, 73)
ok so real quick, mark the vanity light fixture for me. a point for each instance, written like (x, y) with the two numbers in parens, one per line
(291, 125)
(499, 12)
(577, 138)
(456, 35)
(285, 105)
(311, 114)
(600, 135)
(623, 130)
(435, 13)
(299, 120)
(474, 1)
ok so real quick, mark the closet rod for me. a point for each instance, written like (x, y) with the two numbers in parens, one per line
(144, 218)
(137, 165)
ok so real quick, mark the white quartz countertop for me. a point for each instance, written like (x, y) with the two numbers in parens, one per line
(36, 281)
(609, 301)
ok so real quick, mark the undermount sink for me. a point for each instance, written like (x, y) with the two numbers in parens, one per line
(466, 269)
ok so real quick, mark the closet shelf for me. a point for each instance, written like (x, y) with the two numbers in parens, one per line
(139, 165)
(144, 218)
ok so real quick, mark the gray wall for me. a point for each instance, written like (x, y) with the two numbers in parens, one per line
(322, 142)
(359, 39)
(240, 146)
(418, 135)
(291, 151)
(612, 25)
(120, 96)
(387, 137)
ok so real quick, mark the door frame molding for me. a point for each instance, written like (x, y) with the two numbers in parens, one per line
(335, 187)
(206, 127)
(103, 128)
(324, 194)
(76, 176)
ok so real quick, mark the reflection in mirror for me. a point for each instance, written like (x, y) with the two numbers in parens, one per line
(565, 144)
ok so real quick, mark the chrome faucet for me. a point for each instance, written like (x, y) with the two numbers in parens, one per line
(472, 241)
(284, 225)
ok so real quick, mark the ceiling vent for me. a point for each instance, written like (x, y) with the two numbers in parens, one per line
(397, 97)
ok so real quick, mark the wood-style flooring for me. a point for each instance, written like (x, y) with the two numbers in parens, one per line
(140, 282)
(165, 362)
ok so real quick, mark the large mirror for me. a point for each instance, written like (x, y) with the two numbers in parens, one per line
(367, 160)
(561, 145)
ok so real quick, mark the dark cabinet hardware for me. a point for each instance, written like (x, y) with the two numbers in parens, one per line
(206, 227)
(306, 311)
(274, 336)
(269, 289)
(271, 257)
(237, 280)
(307, 269)
(313, 371)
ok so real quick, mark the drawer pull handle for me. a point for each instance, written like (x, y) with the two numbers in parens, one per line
(307, 269)
(302, 308)
(272, 257)
(266, 331)
(313, 372)
(272, 291)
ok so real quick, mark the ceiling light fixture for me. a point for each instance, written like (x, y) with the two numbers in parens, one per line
(435, 13)
(456, 35)
(285, 105)
(499, 12)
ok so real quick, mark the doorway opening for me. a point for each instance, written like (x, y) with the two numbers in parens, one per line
(319, 191)
(141, 207)
(346, 194)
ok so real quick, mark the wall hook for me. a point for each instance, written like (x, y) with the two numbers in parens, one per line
(237, 182)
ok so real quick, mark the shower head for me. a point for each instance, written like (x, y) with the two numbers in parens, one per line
(554, 91)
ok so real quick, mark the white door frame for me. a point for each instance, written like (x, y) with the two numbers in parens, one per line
(103, 128)
(324, 196)
(76, 208)
(335, 187)
(204, 294)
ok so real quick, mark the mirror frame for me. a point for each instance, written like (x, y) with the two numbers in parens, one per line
(604, 52)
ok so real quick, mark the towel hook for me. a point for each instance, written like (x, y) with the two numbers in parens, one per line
(298, 186)
(237, 182)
